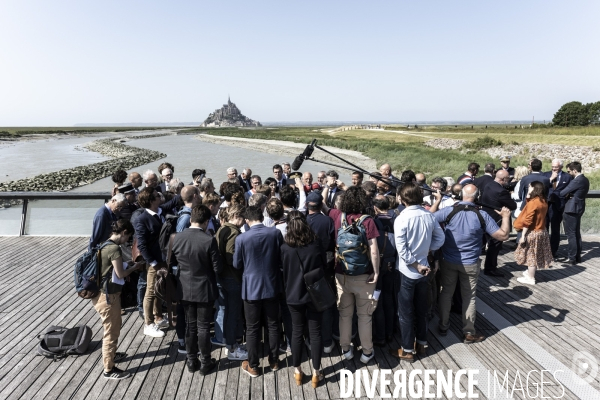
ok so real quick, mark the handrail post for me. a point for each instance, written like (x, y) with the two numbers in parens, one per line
(23, 217)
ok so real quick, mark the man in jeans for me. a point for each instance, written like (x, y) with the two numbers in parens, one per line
(257, 251)
(417, 233)
(460, 256)
(356, 290)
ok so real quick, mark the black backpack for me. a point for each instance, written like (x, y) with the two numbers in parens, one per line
(58, 342)
(168, 228)
(465, 207)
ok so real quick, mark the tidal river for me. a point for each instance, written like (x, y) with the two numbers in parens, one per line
(53, 217)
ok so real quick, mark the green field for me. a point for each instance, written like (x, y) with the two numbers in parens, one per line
(404, 152)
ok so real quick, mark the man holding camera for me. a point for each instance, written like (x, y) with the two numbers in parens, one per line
(465, 226)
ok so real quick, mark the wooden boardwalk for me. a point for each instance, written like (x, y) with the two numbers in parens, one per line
(528, 329)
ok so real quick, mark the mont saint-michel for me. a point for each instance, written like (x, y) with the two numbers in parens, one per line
(228, 115)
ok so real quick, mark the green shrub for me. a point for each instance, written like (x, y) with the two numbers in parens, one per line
(482, 143)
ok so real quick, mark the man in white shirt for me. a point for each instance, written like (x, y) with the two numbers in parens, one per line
(440, 184)
(417, 233)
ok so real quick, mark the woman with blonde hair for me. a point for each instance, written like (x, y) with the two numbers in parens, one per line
(520, 172)
(533, 249)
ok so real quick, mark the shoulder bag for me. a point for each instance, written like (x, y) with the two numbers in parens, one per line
(317, 287)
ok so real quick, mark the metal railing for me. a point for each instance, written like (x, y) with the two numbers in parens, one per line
(25, 197)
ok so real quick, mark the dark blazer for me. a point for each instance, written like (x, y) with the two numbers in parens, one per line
(526, 180)
(496, 196)
(555, 195)
(331, 204)
(127, 211)
(482, 182)
(147, 230)
(257, 251)
(313, 258)
(101, 226)
(196, 254)
(575, 193)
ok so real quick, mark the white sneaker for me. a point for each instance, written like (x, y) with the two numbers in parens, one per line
(328, 349)
(163, 324)
(349, 355)
(153, 330)
(364, 358)
(237, 354)
(526, 280)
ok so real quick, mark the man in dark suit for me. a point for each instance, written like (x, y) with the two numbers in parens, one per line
(494, 198)
(559, 180)
(574, 194)
(469, 176)
(103, 219)
(505, 162)
(486, 178)
(196, 254)
(257, 252)
(333, 191)
(131, 205)
(147, 226)
(536, 175)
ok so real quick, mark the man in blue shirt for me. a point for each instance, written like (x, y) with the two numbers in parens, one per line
(105, 216)
(460, 256)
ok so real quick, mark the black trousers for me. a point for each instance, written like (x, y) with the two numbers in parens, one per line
(255, 310)
(553, 220)
(197, 335)
(491, 257)
(304, 316)
(572, 225)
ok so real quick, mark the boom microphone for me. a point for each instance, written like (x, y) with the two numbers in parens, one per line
(306, 154)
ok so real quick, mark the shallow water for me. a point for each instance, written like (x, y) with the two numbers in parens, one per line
(52, 217)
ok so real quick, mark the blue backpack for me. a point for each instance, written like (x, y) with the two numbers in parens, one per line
(87, 273)
(352, 247)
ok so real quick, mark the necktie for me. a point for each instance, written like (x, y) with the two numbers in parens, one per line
(331, 194)
(555, 182)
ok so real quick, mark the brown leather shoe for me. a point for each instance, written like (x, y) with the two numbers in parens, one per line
(274, 365)
(298, 378)
(401, 354)
(316, 379)
(421, 349)
(474, 338)
(253, 372)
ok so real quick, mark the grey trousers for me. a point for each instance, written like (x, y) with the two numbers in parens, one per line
(467, 277)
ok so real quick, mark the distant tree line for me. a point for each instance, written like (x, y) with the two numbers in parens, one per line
(576, 113)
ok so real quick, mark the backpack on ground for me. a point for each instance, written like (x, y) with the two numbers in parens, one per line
(58, 342)
(87, 273)
(353, 247)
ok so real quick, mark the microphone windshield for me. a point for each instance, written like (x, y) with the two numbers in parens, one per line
(297, 162)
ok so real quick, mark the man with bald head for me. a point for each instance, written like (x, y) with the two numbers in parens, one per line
(190, 195)
(559, 180)
(136, 180)
(465, 226)
(386, 171)
(494, 198)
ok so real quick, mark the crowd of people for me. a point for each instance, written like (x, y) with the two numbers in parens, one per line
(393, 250)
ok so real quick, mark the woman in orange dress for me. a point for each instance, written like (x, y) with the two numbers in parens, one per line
(533, 249)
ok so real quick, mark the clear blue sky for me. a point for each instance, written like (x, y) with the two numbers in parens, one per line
(67, 62)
